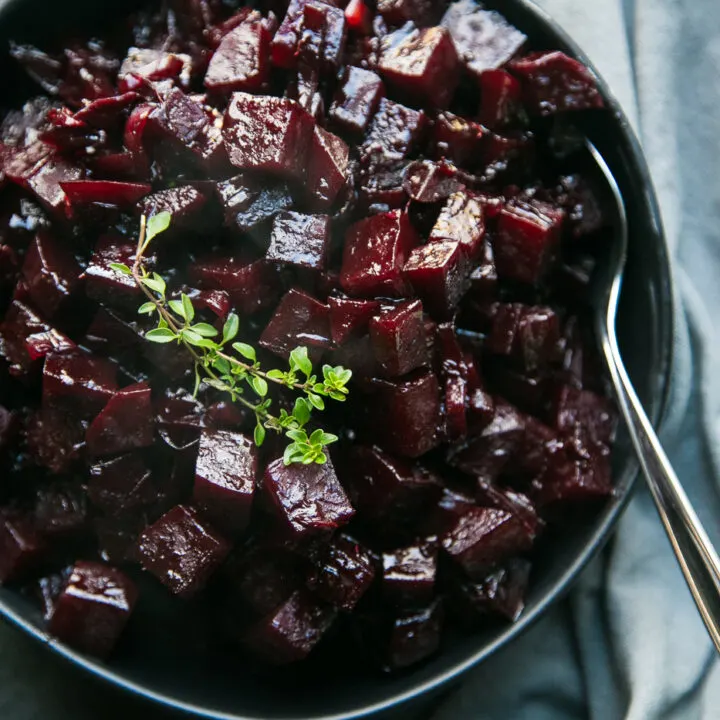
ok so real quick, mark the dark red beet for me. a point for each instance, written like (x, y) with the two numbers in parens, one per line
(225, 474)
(502, 339)
(20, 323)
(456, 402)
(106, 285)
(398, 339)
(457, 139)
(306, 499)
(483, 279)
(462, 220)
(327, 169)
(93, 609)
(179, 418)
(106, 112)
(358, 17)
(55, 439)
(87, 192)
(300, 240)
(108, 331)
(60, 509)
(414, 636)
(20, 546)
(217, 301)
(409, 574)
(182, 550)
(324, 34)
(394, 132)
(428, 182)
(125, 423)
(397, 12)
(285, 43)
(573, 408)
(500, 98)
(120, 485)
(356, 100)
(184, 203)
(376, 249)
(152, 65)
(350, 318)
(480, 410)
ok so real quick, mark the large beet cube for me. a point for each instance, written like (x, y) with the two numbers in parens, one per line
(500, 98)
(182, 550)
(423, 67)
(298, 320)
(307, 499)
(356, 100)
(409, 574)
(398, 339)
(292, 630)
(324, 34)
(93, 609)
(528, 233)
(104, 284)
(241, 61)
(462, 220)
(594, 414)
(285, 43)
(414, 636)
(267, 133)
(120, 484)
(51, 273)
(225, 474)
(327, 170)
(457, 139)
(20, 546)
(394, 132)
(350, 318)
(300, 240)
(376, 249)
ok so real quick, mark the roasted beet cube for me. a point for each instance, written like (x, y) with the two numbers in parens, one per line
(307, 499)
(500, 98)
(409, 574)
(462, 220)
(423, 67)
(484, 39)
(538, 334)
(483, 279)
(184, 203)
(398, 339)
(106, 285)
(179, 418)
(121, 484)
(241, 61)
(51, 273)
(376, 249)
(225, 474)
(20, 546)
(414, 636)
(292, 630)
(456, 402)
(285, 43)
(327, 169)
(20, 322)
(438, 273)
(356, 100)
(125, 423)
(267, 133)
(344, 572)
(573, 408)
(350, 318)
(60, 509)
(528, 233)
(88, 192)
(457, 139)
(394, 132)
(397, 12)
(300, 240)
(55, 439)
(152, 65)
(480, 410)
(502, 339)
(93, 609)
(324, 34)
(182, 550)
(298, 320)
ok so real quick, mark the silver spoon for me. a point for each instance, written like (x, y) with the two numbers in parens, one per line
(694, 551)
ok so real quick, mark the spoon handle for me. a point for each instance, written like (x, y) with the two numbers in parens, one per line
(694, 551)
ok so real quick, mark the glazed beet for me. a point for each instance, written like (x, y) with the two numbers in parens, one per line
(462, 220)
(409, 574)
(300, 240)
(356, 100)
(20, 546)
(350, 317)
(413, 636)
(120, 485)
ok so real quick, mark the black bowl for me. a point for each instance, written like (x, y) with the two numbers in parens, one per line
(162, 664)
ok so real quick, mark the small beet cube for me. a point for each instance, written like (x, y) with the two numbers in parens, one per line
(104, 284)
(121, 484)
(184, 203)
(502, 339)
(93, 609)
(414, 636)
(225, 474)
(327, 170)
(480, 410)
(285, 43)
(483, 279)
(376, 249)
(456, 402)
(267, 133)
(397, 12)
(153, 64)
(241, 61)
(423, 67)
(426, 181)
(457, 139)
(500, 98)
(484, 39)
(182, 550)
(300, 240)
(298, 320)
(106, 112)
(356, 100)
(538, 334)
(358, 16)
(179, 418)
(394, 131)
(438, 273)
(125, 423)
(573, 408)
(107, 192)
(553, 82)
(19, 324)
(409, 574)
(292, 630)
(51, 273)
(528, 233)
(398, 339)
(350, 318)
(60, 509)
(308, 499)
(462, 220)
(54, 439)
(324, 36)
(20, 546)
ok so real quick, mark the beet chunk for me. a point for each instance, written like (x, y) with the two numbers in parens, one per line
(457, 139)
(60, 509)
(307, 499)
(462, 220)
(225, 474)
(553, 82)
(356, 100)
(595, 415)
(414, 636)
(350, 318)
(54, 439)
(375, 252)
(423, 67)
(81, 193)
(104, 284)
(483, 279)
(300, 240)
(267, 133)
(152, 65)
(528, 233)
(398, 339)
(409, 574)
(298, 320)
(182, 550)
(125, 423)
(183, 203)
(93, 609)
(20, 546)
(292, 630)
(327, 170)
(120, 485)
(397, 12)
(20, 323)
(500, 98)
(324, 34)
(393, 133)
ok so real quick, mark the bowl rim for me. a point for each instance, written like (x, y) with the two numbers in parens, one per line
(594, 542)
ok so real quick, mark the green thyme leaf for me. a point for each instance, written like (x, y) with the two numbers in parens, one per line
(276, 375)
(177, 307)
(160, 335)
(259, 434)
(299, 360)
(247, 351)
(188, 306)
(147, 308)
(121, 268)
(155, 286)
(259, 385)
(317, 401)
(204, 329)
(231, 327)
(302, 411)
(157, 224)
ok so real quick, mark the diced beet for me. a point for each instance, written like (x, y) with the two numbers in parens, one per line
(267, 133)
(480, 410)
(538, 334)
(182, 550)
(381, 186)
(38, 345)
(93, 609)
(350, 318)
(324, 35)
(450, 506)
(397, 12)
(122, 194)
(394, 132)
(526, 391)
(79, 380)
(20, 323)
(429, 182)
(462, 220)
(528, 233)
(344, 572)
(104, 284)
(20, 546)
(285, 43)
(298, 320)
(553, 83)
(456, 401)
(120, 485)
(300, 240)
(125, 423)
(106, 112)
(457, 139)
(225, 474)
(584, 214)
(414, 636)
(327, 170)
(356, 100)
(54, 439)
(152, 65)
(292, 630)
(409, 574)
(398, 339)
(483, 279)
(241, 61)
(307, 499)
(573, 408)
(484, 39)
(304, 87)
(60, 509)
(423, 67)
(216, 301)
(437, 272)
(376, 249)
(502, 339)
(179, 418)
(538, 444)
(358, 17)
(184, 203)
(500, 98)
